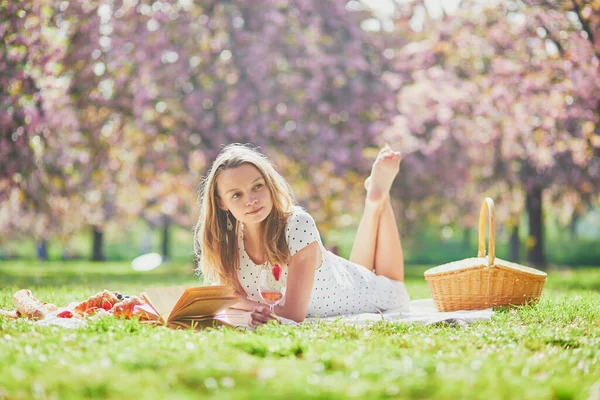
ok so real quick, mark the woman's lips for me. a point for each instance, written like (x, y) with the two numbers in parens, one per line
(255, 211)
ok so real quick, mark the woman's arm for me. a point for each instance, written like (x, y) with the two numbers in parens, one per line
(301, 275)
(245, 304)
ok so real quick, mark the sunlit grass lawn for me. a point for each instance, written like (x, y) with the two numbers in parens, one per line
(546, 351)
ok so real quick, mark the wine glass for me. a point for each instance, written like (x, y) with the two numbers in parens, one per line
(271, 284)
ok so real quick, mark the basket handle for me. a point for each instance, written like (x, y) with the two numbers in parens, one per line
(488, 204)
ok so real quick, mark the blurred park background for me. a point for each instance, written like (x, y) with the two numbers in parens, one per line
(111, 112)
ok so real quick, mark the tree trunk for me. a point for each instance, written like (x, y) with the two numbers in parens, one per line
(98, 245)
(166, 223)
(535, 247)
(42, 250)
(514, 244)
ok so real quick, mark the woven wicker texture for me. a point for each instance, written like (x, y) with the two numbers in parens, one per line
(484, 281)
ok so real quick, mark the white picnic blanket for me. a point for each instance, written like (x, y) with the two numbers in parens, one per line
(421, 311)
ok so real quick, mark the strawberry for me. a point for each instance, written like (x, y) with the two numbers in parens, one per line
(106, 305)
(276, 270)
(65, 314)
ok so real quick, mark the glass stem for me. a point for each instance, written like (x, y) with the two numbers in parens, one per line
(272, 308)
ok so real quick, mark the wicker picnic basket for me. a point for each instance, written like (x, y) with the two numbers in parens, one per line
(482, 282)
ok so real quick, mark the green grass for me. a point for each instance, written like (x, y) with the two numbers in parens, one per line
(546, 351)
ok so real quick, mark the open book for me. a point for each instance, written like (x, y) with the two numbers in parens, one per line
(192, 307)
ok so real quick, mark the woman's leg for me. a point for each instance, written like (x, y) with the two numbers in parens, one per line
(365, 242)
(385, 168)
(389, 258)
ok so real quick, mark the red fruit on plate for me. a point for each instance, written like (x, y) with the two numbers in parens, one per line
(276, 270)
(65, 314)
(106, 305)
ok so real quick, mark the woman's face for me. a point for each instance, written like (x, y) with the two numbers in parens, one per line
(244, 192)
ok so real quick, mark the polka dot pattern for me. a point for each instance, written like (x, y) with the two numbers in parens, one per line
(367, 292)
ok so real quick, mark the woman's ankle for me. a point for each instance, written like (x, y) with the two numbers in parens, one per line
(376, 205)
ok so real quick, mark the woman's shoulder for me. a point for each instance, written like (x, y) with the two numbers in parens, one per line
(301, 221)
(299, 216)
(301, 230)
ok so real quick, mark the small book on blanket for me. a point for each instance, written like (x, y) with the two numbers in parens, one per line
(196, 307)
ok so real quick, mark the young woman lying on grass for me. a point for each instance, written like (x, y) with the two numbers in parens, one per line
(249, 220)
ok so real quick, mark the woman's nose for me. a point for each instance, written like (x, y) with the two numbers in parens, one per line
(251, 201)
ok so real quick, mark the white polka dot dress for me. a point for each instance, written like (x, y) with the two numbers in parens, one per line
(340, 286)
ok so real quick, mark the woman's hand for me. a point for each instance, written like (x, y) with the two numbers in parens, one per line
(245, 303)
(261, 315)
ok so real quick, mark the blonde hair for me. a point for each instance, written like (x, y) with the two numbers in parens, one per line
(215, 247)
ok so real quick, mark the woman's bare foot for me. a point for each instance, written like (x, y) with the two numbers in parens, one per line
(384, 171)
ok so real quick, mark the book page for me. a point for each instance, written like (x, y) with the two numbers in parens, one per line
(148, 309)
(203, 307)
(164, 299)
(191, 294)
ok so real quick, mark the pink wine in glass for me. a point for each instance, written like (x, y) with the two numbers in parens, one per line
(271, 297)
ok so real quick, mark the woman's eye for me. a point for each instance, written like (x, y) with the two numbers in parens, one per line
(235, 196)
(260, 185)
